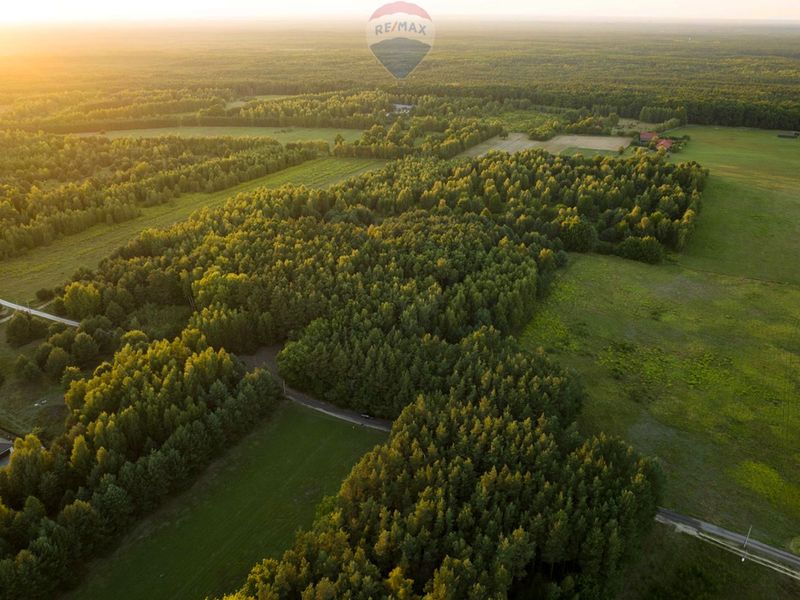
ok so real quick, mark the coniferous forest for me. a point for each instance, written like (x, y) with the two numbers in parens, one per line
(400, 288)
(399, 294)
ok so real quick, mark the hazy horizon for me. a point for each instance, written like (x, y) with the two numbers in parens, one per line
(146, 11)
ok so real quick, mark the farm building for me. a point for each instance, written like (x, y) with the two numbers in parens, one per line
(789, 134)
(6, 448)
(403, 108)
(648, 136)
(665, 144)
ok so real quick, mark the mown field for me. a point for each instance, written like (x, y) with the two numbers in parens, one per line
(246, 507)
(52, 265)
(283, 135)
(588, 145)
(696, 361)
(242, 102)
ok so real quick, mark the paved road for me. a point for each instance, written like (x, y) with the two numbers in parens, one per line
(266, 357)
(787, 563)
(38, 313)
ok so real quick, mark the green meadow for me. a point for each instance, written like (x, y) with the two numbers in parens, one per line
(696, 361)
(750, 225)
(247, 506)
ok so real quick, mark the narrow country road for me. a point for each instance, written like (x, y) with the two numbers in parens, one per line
(742, 545)
(267, 358)
(38, 313)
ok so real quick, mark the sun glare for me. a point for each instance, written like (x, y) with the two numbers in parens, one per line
(43, 11)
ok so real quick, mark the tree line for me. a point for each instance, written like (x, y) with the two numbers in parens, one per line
(52, 185)
(89, 110)
(140, 428)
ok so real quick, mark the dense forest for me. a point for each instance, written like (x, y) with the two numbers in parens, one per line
(399, 288)
(396, 293)
(480, 495)
(708, 70)
(52, 185)
(633, 207)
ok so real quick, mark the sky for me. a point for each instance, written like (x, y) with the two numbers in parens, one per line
(43, 11)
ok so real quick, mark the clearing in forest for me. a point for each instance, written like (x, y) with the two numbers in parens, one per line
(517, 142)
(284, 135)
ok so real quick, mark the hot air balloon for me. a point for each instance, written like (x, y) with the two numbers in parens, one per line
(400, 35)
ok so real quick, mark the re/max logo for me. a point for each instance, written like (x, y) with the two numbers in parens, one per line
(408, 27)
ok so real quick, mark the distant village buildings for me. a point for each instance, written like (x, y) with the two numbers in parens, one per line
(649, 138)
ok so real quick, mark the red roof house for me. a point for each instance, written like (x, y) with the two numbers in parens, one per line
(648, 136)
(665, 144)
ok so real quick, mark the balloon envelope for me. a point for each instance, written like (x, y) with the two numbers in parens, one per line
(400, 35)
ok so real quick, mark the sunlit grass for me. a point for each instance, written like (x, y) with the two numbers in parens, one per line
(52, 265)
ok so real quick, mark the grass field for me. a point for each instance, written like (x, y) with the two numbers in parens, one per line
(696, 368)
(697, 361)
(25, 406)
(674, 566)
(52, 265)
(281, 134)
(246, 507)
(750, 224)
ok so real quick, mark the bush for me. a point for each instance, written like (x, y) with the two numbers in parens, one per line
(578, 234)
(81, 300)
(70, 374)
(84, 349)
(23, 329)
(26, 369)
(57, 362)
(136, 338)
(646, 249)
(45, 294)
(42, 354)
